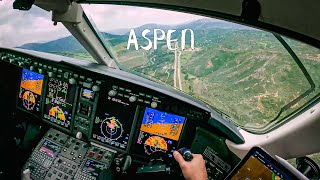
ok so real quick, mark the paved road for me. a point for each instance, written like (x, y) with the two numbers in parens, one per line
(177, 71)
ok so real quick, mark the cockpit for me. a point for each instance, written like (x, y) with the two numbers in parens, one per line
(89, 86)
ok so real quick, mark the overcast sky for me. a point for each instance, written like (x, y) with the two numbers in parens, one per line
(21, 27)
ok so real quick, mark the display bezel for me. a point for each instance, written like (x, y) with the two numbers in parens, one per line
(145, 158)
(132, 132)
(265, 154)
(74, 106)
(43, 91)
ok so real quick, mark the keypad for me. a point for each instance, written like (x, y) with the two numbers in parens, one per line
(42, 159)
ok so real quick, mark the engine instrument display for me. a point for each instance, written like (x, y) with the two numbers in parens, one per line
(93, 168)
(113, 123)
(30, 91)
(49, 148)
(59, 102)
(159, 133)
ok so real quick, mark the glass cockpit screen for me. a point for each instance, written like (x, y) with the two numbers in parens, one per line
(49, 148)
(259, 166)
(93, 168)
(159, 133)
(59, 102)
(113, 122)
(30, 91)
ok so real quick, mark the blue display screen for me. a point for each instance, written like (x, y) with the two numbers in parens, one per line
(159, 133)
(162, 124)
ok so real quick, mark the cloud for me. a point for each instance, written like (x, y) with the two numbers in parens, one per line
(21, 27)
(111, 17)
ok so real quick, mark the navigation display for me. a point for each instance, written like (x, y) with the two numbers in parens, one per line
(93, 168)
(30, 91)
(49, 148)
(113, 122)
(59, 102)
(159, 133)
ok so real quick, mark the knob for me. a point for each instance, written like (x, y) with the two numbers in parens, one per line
(79, 135)
(154, 104)
(72, 81)
(132, 98)
(186, 154)
(112, 93)
(95, 88)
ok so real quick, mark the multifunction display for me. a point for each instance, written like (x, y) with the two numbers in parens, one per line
(159, 133)
(113, 123)
(49, 148)
(93, 168)
(59, 102)
(30, 91)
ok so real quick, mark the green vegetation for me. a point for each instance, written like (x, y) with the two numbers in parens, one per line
(247, 74)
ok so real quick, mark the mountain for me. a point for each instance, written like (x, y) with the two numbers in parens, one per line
(115, 37)
(151, 27)
(209, 24)
(70, 44)
(201, 24)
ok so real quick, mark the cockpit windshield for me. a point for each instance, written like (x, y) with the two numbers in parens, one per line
(246, 73)
(249, 75)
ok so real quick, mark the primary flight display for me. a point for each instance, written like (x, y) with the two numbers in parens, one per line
(159, 133)
(30, 91)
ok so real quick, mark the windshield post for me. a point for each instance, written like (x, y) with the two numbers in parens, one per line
(77, 23)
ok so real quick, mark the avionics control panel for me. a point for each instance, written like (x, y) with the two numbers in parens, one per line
(59, 156)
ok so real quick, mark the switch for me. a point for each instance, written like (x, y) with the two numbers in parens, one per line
(90, 154)
(99, 156)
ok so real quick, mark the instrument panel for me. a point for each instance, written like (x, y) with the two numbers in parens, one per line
(108, 107)
(103, 109)
(99, 107)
